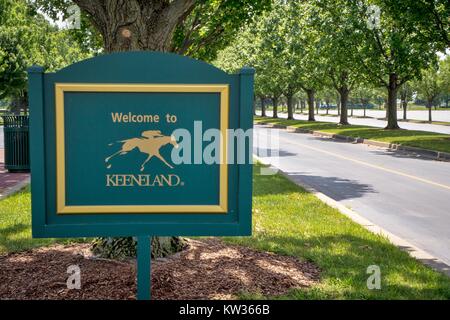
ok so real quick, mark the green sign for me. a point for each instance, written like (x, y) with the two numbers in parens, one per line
(140, 144)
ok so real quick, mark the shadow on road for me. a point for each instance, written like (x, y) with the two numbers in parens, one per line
(264, 152)
(334, 187)
(401, 154)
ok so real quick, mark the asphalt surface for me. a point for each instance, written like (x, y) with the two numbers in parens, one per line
(374, 122)
(437, 115)
(406, 195)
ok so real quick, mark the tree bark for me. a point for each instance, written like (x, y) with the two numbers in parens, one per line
(275, 107)
(430, 107)
(290, 106)
(343, 93)
(311, 93)
(130, 25)
(405, 108)
(391, 110)
(263, 107)
(20, 104)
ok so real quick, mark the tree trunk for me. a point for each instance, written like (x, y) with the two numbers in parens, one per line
(263, 107)
(338, 106)
(391, 109)
(131, 25)
(430, 107)
(302, 106)
(344, 93)
(311, 93)
(19, 104)
(290, 106)
(405, 108)
(275, 107)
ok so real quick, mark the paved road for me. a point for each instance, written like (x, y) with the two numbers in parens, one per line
(373, 122)
(409, 197)
(438, 115)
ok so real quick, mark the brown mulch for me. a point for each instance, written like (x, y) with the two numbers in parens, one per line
(207, 269)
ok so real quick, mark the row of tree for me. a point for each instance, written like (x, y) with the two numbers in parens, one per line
(431, 90)
(345, 45)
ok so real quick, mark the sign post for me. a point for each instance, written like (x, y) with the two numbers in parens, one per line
(144, 255)
(141, 144)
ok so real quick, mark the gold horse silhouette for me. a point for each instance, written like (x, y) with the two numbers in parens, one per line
(150, 143)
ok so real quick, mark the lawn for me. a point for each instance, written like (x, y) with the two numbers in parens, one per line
(290, 221)
(412, 138)
(15, 225)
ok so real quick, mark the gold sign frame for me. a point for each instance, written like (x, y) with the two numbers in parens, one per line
(62, 208)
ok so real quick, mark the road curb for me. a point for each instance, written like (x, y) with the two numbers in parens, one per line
(14, 189)
(430, 154)
(415, 252)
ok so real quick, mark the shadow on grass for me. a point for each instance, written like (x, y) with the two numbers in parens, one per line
(344, 260)
(272, 184)
(10, 237)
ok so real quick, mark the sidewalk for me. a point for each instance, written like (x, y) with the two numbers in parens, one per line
(10, 182)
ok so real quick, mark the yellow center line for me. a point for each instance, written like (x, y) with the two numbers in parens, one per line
(367, 164)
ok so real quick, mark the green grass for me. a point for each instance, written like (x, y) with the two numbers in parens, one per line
(412, 106)
(290, 221)
(442, 123)
(15, 225)
(412, 138)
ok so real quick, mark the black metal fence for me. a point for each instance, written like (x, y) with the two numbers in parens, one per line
(16, 137)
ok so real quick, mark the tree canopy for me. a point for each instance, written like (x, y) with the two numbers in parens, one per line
(198, 28)
(344, 44)
(26, 38)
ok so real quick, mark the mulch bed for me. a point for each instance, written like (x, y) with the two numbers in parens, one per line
(207, 269)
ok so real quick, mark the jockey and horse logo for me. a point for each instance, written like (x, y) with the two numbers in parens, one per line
(149, 143)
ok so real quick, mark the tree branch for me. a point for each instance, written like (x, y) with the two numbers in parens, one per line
(187, 39)
(180, 9)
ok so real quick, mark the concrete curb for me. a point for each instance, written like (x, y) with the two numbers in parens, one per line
(402, 244)
(12, 190)
(430, 154)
